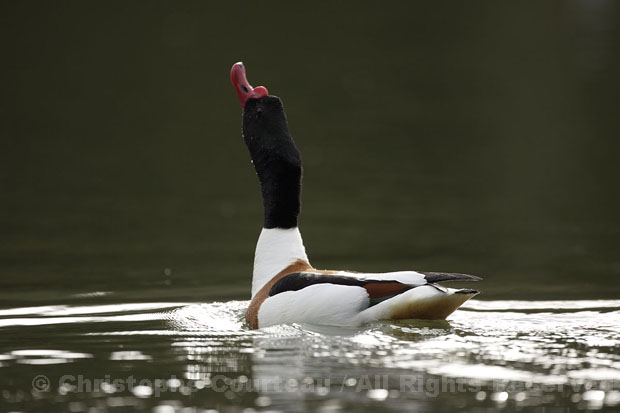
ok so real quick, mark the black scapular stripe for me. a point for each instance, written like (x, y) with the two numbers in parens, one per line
(299, 280)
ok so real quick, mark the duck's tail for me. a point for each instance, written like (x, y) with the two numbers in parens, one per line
(427, 302)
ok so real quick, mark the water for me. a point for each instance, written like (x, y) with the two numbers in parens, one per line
(491, 354)
(470, 138)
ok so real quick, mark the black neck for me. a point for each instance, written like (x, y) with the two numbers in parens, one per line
(276, 159)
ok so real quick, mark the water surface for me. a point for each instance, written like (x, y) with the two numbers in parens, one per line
(491, 354)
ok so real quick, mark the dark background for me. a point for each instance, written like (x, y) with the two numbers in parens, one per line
(468, 137)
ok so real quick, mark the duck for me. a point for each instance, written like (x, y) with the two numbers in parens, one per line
(286, 288)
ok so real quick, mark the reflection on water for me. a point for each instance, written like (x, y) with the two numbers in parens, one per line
(501, 354)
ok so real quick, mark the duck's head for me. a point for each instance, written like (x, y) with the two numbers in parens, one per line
(265, 128)
(273, 152)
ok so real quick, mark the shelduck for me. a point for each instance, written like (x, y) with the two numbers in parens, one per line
(286, 289)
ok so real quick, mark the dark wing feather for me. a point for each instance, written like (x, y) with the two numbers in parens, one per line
(385, 289)
(435, 277)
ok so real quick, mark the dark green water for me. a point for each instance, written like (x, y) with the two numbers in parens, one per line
(462, 137)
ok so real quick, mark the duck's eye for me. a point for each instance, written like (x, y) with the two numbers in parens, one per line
(244, 88)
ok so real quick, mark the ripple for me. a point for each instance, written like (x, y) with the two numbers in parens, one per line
(516, 305)
(43, 356)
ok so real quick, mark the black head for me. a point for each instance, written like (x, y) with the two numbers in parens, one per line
(276, 159)
(265, 128)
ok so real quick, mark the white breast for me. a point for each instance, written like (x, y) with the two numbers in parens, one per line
(276, 249)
